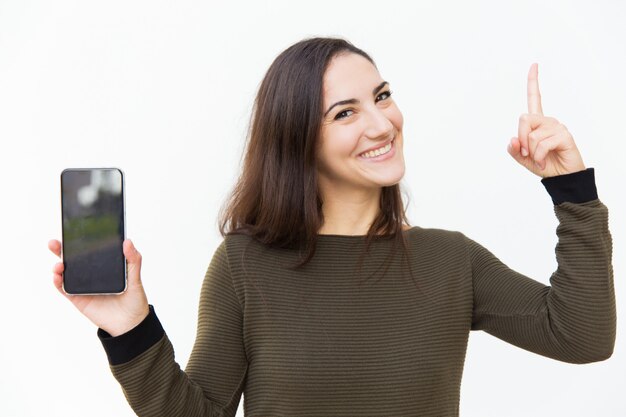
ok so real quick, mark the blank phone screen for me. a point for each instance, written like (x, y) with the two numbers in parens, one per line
(92, 202)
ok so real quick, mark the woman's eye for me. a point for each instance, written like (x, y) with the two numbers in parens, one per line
(388, 92)
(343, 112)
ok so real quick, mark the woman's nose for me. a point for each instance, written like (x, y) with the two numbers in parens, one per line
(379, 125)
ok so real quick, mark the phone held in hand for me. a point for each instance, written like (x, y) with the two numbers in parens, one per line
(94, 229)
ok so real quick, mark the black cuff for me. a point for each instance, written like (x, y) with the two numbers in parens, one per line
(123, 348)
(575, 187)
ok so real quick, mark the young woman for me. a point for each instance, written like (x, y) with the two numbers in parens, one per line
(322, 300)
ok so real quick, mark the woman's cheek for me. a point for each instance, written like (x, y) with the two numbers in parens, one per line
(343, 141)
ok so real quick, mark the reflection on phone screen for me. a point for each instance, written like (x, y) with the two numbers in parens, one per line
(93, 230)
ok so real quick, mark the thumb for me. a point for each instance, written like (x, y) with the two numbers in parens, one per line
(133, 261)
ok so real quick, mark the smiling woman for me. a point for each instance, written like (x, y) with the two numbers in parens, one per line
(309, 152)
(360, 146)
(324, 335)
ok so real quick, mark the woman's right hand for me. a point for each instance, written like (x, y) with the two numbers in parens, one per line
(115, 314)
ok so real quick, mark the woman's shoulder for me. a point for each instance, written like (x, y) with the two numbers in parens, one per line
(238, 243)
(435, 238)
(236, 238)
(421, 232)
(233, 242)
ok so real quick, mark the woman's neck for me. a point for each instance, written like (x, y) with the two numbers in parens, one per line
(349, 213)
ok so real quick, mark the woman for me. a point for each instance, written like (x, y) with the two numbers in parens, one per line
(322, 300)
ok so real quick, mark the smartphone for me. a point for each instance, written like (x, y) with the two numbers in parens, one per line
(94, 229)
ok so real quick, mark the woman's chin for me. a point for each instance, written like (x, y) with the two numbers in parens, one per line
(391, 177)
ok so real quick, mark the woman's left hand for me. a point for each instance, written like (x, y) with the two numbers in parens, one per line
(543, 145)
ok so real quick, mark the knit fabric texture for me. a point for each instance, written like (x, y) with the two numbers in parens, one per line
(385, 340)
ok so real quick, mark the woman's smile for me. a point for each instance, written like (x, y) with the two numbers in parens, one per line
(380, 154)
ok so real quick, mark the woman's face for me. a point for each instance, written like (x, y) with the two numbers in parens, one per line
(370, 121)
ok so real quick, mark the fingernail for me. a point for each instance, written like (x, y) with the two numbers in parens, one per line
(524, 152)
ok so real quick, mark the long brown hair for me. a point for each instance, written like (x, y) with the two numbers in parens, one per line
(276, 199)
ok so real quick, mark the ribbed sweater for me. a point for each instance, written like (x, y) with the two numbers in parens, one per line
(327, 340)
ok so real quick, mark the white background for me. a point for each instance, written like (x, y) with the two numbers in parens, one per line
(164, 89)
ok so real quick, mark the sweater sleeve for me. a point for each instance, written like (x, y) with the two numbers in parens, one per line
(574, 318)
(142, 360)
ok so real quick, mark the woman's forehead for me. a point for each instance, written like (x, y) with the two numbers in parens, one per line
(349, 75)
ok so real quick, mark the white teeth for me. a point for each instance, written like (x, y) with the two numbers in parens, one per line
(379, 151)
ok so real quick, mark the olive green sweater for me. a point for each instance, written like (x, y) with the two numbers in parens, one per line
(327, 341)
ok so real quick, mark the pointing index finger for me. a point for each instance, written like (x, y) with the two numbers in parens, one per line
(534, 97)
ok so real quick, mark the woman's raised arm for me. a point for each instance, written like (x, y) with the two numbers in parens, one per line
(573, 319)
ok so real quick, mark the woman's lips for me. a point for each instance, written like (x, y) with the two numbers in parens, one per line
(382, 157)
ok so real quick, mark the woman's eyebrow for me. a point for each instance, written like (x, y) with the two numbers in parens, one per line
(354, 100)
